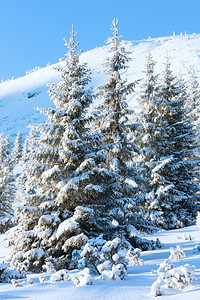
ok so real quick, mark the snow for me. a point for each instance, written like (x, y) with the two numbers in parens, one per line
(137, 286)
(49, 173)
(92, 187)
(131, 182)
(18, 97)
(69, 225)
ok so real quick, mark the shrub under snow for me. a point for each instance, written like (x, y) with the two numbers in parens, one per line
(134, 257)
(61, 275)
(177, 278)
(7, 274)
(117, 272)
(176, 253)
(108, 258)
(156, 288)
(83, 277)
(42, 279)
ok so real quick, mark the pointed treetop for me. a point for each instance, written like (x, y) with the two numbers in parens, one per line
(72, 45)
(168, 76)
(115, 23)
(150, 64)
(114, 40)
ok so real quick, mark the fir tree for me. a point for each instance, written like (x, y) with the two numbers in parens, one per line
(171, 198)
(25, 161)
(17, 150)
(7, 188)
(52, 193)
(193, 106)
(116, 179)
(147, 136)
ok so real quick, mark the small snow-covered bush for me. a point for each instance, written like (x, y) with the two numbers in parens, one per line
(7, 274)
(83, 277)
(156, 288)
(187, 237)
(115, 251)
(61, 275)
(177, 278)
(114, 261)
(53, 264)
(33, 259)
(10, 274)
(165, 266)
(176, 253)
(16, 283)
(3, 267)
(134, 257)
(108, 258)
(42, 279)
(49, 266)
(89, 258)
(118, 272)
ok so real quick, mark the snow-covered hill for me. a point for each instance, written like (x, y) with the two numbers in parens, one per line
(19, 97)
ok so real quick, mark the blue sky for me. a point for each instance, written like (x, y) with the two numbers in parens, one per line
(32, 31)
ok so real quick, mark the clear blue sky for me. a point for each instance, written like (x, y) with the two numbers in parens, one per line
(32, 31)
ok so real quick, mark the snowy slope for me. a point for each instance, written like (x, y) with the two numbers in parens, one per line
(137, 286)
(19, 97)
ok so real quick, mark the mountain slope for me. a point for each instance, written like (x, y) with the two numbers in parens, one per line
(19, 97)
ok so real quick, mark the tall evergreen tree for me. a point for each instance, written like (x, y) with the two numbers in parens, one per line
(193, 106)
(147, 136)
(171, 198)
(113, 130)
(51, 194)
(25, 160)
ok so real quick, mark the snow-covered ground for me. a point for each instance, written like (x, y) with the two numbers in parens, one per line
(139, 281)
(18, 97)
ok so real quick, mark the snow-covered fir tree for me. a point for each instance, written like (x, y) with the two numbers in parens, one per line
(114, 132)
(150, 84)
(17, 150)
(170, 202)
(52, 193)
(193, 106)
(30, 144)
(7, 187)
(147, 138)
(25, 160)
